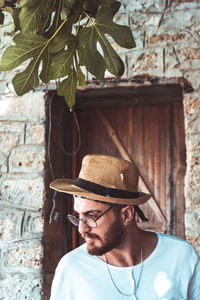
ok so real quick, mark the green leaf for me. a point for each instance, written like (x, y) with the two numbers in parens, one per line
(61, 64)
(28, 3)
(107, 2)
(46, 64)
(27, 46)
(67, 7)
(90, 36)
(81, 55)
(30, 18)
(94, 61)
(15, 16)
(121, 34)
(91, 7)
(80, 77)
(63, 38)
(28, 79)
(1, 18)
(114, 64)
(2, 3)
(67, 88)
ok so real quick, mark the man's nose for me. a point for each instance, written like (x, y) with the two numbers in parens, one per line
(82, 228)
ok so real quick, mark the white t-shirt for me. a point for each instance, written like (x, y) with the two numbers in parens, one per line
(171, 272)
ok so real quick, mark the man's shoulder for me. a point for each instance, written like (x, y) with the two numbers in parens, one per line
(77, 253)
(76, 258)
(182, 246)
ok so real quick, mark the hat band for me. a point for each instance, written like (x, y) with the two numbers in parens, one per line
(102, 190)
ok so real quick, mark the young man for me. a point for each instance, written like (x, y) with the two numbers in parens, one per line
(119, 260)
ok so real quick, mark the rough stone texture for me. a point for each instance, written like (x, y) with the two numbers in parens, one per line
(22, 256)
(27, 286)
(35, 134)
(28, 158)
(29, 107)
(22, 189)
(167, 35)
(28, 191)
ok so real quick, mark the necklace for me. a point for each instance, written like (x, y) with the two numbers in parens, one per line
(134, 292)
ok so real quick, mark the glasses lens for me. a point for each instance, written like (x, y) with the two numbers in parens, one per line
(87, 220)
(73, 220)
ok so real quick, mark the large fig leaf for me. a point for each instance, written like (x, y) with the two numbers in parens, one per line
(1, 17)
(46, 64)
(120, 33)
(61, 64)
(67, 88)
(90, 36)
(107, 2)
(94, 61)
(28, 79)
(27, 46)
(30, 18)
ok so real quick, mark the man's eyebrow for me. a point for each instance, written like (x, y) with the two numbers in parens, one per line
(90, 211)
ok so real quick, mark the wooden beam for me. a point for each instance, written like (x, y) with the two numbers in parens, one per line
(128, 96)
(142, 184)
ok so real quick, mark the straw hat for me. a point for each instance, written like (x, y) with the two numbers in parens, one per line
(104, 178)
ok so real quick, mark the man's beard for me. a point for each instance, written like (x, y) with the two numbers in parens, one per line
(111, 239)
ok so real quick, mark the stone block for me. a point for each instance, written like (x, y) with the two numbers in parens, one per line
(195, 126)
(22, 192)
(184, 4)
(24, 286)
(192, 77)
(190, 53)
(30, 107)
(26, 255)
(191, 104)
(192, 222)
(143, 5)
(148, 62)
(27, 159)
(192, 183)
(35, 133)
(17, 224)
(173, 19)
(10, 224)
(7, 127)
(10, 140)
(195, 241)
(171, 63)
(166, 37)
(192, 123)
(3, 162)
(143, 21)
(33, 225)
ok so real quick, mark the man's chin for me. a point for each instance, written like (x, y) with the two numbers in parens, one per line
(93, 249)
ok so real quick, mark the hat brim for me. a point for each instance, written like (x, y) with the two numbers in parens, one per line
(66, 186)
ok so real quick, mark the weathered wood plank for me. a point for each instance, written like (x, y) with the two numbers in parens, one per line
(179, 169)
(128, 96)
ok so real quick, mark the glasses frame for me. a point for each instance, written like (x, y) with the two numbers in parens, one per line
(88, 217)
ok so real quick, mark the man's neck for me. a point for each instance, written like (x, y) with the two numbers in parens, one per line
(135, 247)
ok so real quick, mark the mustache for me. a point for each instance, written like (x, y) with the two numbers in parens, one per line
(90, 235)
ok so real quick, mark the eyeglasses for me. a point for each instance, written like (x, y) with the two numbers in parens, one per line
(88, 220)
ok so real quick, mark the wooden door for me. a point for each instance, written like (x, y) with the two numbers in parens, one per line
(153, 137)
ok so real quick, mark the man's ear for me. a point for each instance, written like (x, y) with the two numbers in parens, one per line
(128, 213)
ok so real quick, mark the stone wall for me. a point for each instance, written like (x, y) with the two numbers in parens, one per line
(22, 156)
(167, 37)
